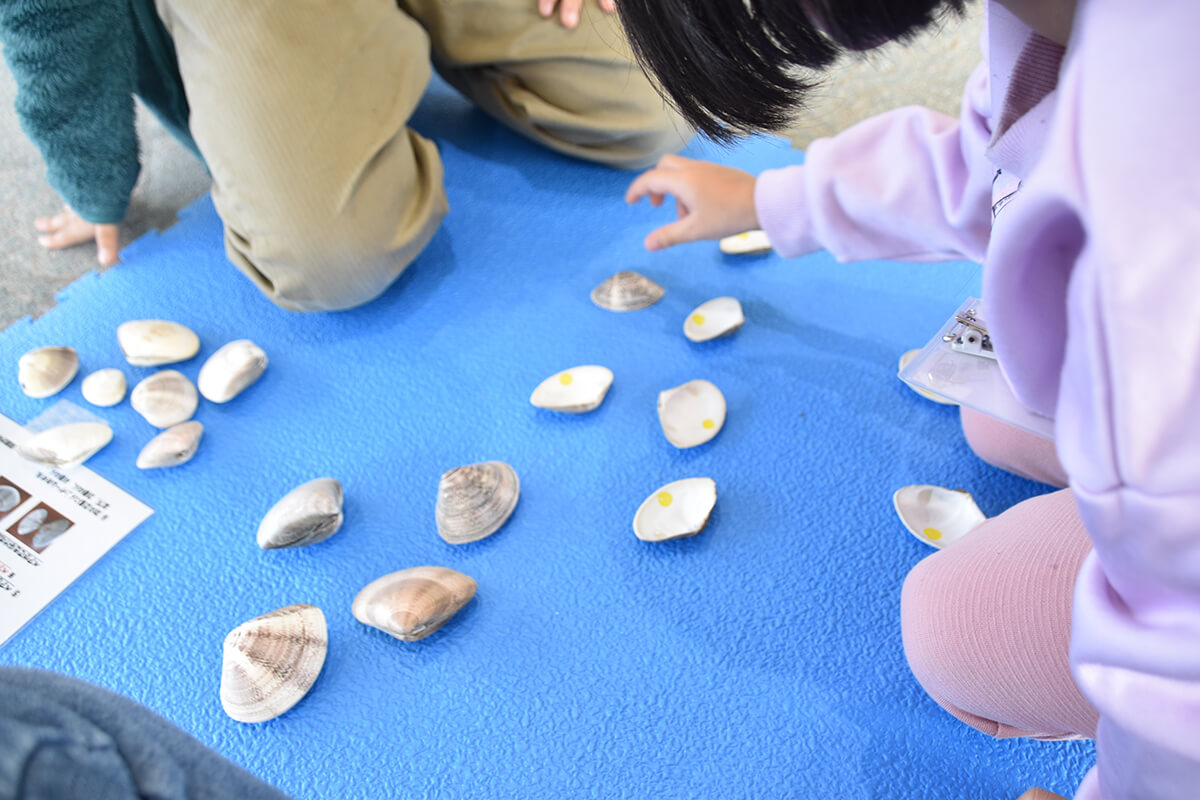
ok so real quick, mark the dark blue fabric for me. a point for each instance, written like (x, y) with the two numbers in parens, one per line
(760, 659)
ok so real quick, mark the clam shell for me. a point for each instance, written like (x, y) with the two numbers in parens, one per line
(32, 521)
(165, 398)
(174, 446)
(10, 498)
(48, 532)
(627, 291)
(46, 371)
(747, 243)
(104, 387)
(272, 661)
(231, 369)
(692, 413)
(905, 358)
(66, 444)
(575, 390)
(310, 513)
(475, 500)
(151, 342)
(720, 316)
(935, 515)
(680, 508)
(413, 603)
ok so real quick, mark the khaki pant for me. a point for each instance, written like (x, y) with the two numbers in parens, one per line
(300, 108)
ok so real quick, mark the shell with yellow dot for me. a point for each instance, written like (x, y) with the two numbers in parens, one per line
(681, 508)
(747, 243)
(691, 414)
(718, 317)
(573, 391)
(937, 516)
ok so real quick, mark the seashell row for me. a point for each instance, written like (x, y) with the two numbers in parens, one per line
(681, 508)
(270, 662)
(152, 342)
(746, 244)
(66, 444)
(310, 513)
(104, 387)
(413, 603)
(475, 501)
(720, 316)
(573, 391)
(230, 370)
(165, 398)
(691, 414)
(937, 516)
(46, 371)
(10, 498)
(627, 291)
(174, 446)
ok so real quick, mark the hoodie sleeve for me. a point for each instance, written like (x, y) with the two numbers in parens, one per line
(74, 64)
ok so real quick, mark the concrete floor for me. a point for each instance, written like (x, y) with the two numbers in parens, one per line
(931, 72)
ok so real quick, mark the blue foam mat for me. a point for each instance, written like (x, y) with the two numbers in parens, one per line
(759, 659)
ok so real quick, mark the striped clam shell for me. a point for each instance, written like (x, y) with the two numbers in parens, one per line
(272, 661)
(413, 603)
(475, 501)
(627, 291)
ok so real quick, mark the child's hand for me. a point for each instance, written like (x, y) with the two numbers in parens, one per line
(712, 201)
(570, 9)
(68, 229)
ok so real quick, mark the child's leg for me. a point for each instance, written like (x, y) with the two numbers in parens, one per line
(986, 622)
(1012, 449)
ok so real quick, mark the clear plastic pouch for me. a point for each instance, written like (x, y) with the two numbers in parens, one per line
(959, 365)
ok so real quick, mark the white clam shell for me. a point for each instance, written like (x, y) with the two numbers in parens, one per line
(174, 446)
(310, 513)
(46, 371)
(627, 291)
(66, 444)
(692, 413)
(270, 662)
(935, 515)
(574, 391)
(413, 603)
(48, 532)
(746, 244)
(680, 508)
(720, 316)
(104, 387)
(231, 369)
(475, 501)
(32, 521)
(10, 498)
(165, 398)
(151, 342)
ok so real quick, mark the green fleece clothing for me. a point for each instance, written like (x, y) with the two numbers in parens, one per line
(77, 65)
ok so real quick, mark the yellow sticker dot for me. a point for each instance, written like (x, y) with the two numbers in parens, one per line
(698, 319)
(664, 498)
(932, 533)
(709, 424)
(745, 235)
(565, 379)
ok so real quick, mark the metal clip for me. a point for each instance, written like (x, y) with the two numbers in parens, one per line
(969, 334)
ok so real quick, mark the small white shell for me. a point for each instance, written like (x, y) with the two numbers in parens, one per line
(681, 508)
(270, 662)
(720, 316)
(310, 513)
(230, 370)
(746, 244)
(935, 515)
(151, 342)
(475, 501)
(574, 391)
(10, 498)
(907, 357)
(66, 444)
(174, 446)
(32, 521)
(46, 371)
(413, 603)
(627, 291)
(48, 532)
(692, 413)
(165, 398)
(104, 387)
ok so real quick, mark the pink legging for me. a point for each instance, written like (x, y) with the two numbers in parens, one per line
(986, 621)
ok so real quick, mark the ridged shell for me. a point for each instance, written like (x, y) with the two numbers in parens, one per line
(151, 342)
(692, 413)
(681, 508)
(720, 316)
(310, 513)
(413, 603)
(165, 398)
(104, 387)
(272, 661)
(748, 243)
(174, 446)
(66, 444)
(10, 498)
(475, 501)
(230, 370)
(46, 371)
(627, 291)
(573, 391)
(48, 532)
(937, 516)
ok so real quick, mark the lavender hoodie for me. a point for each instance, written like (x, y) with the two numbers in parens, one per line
(1074, 176)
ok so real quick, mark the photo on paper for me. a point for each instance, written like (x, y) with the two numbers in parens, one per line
(11, 495)
(39, 528)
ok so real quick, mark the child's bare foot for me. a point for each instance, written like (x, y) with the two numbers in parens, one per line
(69, 229)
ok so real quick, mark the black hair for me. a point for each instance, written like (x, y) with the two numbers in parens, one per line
(735, 67)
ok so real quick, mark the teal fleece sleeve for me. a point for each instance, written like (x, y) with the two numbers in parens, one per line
(75, 65)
